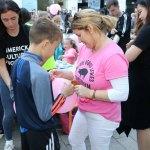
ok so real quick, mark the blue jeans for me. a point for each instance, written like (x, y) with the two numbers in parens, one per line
(1, 114)
(8, 110)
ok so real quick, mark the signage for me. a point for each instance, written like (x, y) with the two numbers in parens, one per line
(95, 4)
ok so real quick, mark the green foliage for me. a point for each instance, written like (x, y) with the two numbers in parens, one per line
(42, 4)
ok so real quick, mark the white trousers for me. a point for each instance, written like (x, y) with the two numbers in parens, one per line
(99, 130)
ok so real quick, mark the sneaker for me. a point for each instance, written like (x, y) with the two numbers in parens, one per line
(9, 146)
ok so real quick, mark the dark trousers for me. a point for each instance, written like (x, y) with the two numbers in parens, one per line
(40, 140)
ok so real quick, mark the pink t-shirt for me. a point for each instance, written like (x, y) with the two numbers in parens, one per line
(94, 70)
(70, 56)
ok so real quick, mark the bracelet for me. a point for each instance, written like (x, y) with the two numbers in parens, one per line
(93, 94)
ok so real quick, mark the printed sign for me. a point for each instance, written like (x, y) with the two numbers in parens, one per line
(95, 4)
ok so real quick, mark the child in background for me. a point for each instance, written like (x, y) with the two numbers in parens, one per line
(58, 21)
(71, 51)
(59, 50)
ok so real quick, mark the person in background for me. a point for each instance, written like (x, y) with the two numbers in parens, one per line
(103, 11)
(14, 39)
(67, 23)
(71, 53)
(135, 111)
(33, 15)
(70, 12)
(137, 26)
(121, 33)
(25, 15)
(134, 16)
(59, 50)
(64, 14)
(43, 14)
(32, 88)
(102, 81)
(58, 21)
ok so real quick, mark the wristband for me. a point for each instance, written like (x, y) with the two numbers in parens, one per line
(59, 101)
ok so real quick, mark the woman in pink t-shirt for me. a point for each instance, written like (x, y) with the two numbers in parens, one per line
(71, 52)
(102, 77)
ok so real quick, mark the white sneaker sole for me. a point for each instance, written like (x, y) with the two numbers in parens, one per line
(1, 135)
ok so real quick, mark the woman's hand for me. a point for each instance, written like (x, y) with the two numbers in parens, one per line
(4, 72)
(82, 91)
(67, 90)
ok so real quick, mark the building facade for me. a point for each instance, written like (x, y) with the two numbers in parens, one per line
(74, 5)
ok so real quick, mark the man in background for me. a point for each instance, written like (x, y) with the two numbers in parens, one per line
(121, 33)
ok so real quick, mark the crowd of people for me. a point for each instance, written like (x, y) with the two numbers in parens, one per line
(110, 52)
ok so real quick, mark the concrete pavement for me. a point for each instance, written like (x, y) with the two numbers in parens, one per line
(118, 142)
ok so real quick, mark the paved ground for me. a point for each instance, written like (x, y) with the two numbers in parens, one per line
(118, 142)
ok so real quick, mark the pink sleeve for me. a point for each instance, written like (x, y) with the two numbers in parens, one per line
(71, 53)
(116, 66)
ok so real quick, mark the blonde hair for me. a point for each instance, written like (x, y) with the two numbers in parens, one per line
(56, 19)
(85, 17)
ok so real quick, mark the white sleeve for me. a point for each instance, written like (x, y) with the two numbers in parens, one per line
(120, 89)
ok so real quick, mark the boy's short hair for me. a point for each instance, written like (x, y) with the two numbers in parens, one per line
(112, 2)
(44, 29)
